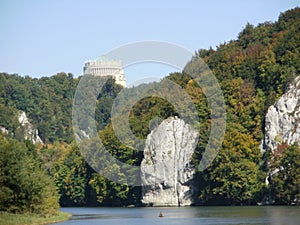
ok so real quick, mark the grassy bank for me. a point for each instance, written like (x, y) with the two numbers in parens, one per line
(32, 219)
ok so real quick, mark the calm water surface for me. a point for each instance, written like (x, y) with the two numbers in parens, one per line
(255, 215)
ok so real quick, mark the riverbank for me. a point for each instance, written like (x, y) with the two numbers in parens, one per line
(32, 219)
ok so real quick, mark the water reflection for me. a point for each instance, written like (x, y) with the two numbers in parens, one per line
(255, 215)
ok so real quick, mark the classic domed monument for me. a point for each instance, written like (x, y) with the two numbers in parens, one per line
(104, 66)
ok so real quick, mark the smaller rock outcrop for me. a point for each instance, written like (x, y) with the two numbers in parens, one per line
(3, 130)
(282, 123)
(28, 130)
(282, 129)
(166, 170)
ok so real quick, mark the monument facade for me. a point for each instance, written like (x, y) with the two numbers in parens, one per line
(106, 67)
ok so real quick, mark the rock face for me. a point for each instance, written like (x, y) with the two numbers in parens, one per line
(29, 132)
(3, 130)
(282, 124)
(166, 171)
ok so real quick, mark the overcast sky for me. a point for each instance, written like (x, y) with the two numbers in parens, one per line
(41, 38)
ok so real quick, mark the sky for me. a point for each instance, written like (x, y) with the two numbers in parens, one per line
(42, 38)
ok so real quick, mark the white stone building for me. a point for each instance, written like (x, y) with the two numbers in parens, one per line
(106, 67)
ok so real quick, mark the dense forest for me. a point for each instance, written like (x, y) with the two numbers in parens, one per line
(253, 72)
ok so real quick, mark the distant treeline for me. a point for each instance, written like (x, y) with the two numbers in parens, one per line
(253, 72)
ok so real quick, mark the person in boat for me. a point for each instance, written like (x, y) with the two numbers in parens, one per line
(161, 214)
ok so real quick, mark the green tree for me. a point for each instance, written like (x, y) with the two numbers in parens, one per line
(234, 176)
(70, 177)
(285, 184)
(24, 185)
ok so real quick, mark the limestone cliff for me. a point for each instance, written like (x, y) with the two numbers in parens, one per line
(25, 130)
(28, 130)
(282, 123)
(166, 171)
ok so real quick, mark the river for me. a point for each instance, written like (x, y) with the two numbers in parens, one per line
(255, 215)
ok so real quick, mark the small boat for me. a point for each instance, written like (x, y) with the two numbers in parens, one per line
(161, 214)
